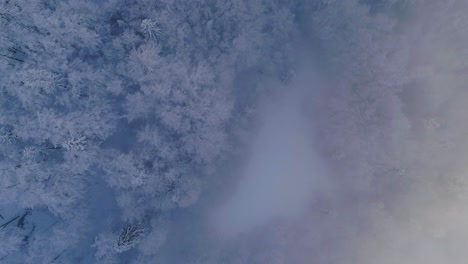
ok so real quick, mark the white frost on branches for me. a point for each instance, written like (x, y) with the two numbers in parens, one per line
(144, 59)
(75, 143)
(29, 153)
(151, 29)
(40, 79)
(128, 238)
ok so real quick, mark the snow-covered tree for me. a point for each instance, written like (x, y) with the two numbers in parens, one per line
(128, 238)
(151, 28)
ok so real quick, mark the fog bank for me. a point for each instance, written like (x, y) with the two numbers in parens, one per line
(282, 171)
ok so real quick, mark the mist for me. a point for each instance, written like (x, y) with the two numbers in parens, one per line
(282, 169)
(377, 174)
(260, 132)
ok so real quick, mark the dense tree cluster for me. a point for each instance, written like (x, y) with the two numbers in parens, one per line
(136, 95)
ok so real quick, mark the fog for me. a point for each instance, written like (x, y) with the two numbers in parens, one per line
(282, 169)
(385, 156)
(232, 132)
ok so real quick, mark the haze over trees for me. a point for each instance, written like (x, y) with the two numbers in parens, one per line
(122, 122)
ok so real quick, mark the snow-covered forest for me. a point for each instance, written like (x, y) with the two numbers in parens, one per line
(233, 131)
